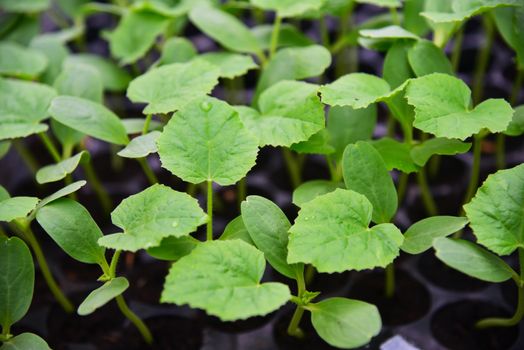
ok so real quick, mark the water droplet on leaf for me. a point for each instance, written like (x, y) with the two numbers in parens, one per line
(205, 106)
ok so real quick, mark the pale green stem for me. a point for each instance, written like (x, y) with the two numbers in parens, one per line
(482, 59)
(294, 326)
(26, 156)
(457, 49)
(96, 185)
(274, 36)
(209, 228)
(50, 146)
(475, 169)
(131, 316)
(390, 281)
(292, 167)
(427, 198)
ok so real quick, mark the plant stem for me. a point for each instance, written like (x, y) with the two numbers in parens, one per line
(26, 156)
(475, 169)
(131, 316)
(294, 326)
(96, 185)
(292, 167)
(209, 228)
(114, 263)
(50, 146)
(402, 186)
(241, 190)
(519, 313)
(324, 32)
(501, 138)
(150, 174)
(394, 16)
(390, 281)
(274, 36)
(427, 198)
(457, 46)
(482, 61)
(27, 234)
(147, 122)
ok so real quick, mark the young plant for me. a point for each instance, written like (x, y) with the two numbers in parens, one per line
(495, 218)
(16, 293)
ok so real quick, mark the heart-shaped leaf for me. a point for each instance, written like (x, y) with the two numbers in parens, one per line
(332, 233)
(223, 278)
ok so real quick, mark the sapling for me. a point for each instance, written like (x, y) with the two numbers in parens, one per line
(16, 293)
(495, 218)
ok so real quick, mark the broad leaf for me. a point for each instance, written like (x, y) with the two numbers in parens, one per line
(357, 90)
(177, 50)
(206, 141)
(173, 248)
(312, 189)
(382, 39)
(366, 172)
(236, 229)
(332, 233)
(226, 29)
(136, 125)
(71, 226)
(114, 78)
(17, 207)
(19, 61)
(4, 148)
(151, 215)
(422, 153)
(397, 69)
(395, 154)
(24, 5)
(135, 34)
(23, 105)
(516, 126)
(58, 171)
(345, 323)
(268, 227)
(25, 341)
(385, 3)
(293, 63)
(223, 278)
(169, 88)
(419, 236)
(80, 80)
(288, 8)
(495, 213)
(141, 146)
(318, 143)
(17, 282)
(90, 118)
(511, 27)
(465, 9)
(55, 51)
(469, 258)
(102, 295)
(426, 58)
(347, 125)
(442, 104)
(289, 36)
(230, 65)
(290, 112)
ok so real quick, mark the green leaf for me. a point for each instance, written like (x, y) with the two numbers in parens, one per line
(311, 189)
(412, 20)
(288, 8)
(236, 229)
(151, 215)
(23, 6)
(469, 258)
(135, 34)
(423, 152)
(25, 341)
(223, 278)
(17, 208)
(332, 233)
(224, 28)
(396, 155)
(136, 125)
(177, 50)
(75, 186)
(90, 118)
(426, 58)
(357, 90)
(317, 144)
(68, 137)
(382, 39)
(141, 146)
(396, 69)
(80, 80)
(495, 211)
(206, 141)
(23, 105)
(4, 148)
(268, 227)
(347, 125)
(17, 282)
(102, 295)
(55, 51)
(345, 323)
(365, 172)
(442, 108)
(58, 171)
(171, 87)
(289, 36)
(19, 61)
(383, 3)
(114, 78)
(290, 112)
(293, 63)
(419, 236)
(510, 24)
(173, 248)
(71, 226)
(3, 193)
(465, 9)
(231, 65)
(516, 126)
